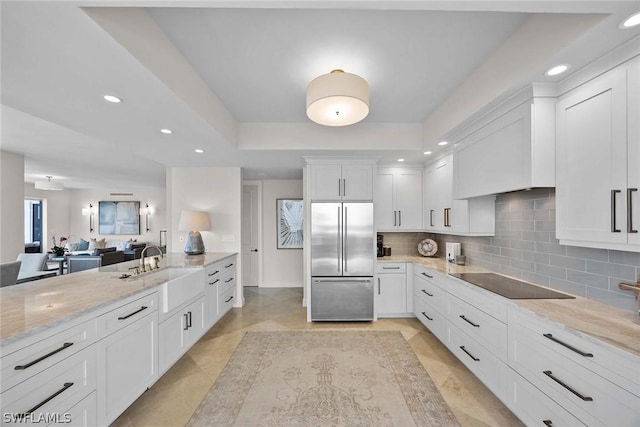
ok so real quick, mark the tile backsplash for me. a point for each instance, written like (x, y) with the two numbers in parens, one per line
(525, 246)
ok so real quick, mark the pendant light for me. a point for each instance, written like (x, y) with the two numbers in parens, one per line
(337, 99)
(48, 184)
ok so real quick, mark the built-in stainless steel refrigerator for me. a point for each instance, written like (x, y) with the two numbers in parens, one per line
(342, 261)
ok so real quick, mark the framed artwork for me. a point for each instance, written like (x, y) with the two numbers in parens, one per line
(119, 218)
(290, 221)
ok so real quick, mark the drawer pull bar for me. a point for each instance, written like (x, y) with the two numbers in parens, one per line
(424, 291)
(214, 282)
(391, 268)
(214, 273)
(548, 423)
(425, 315)
(144, 307)
(227, 266)
(227, 281)
(581, 353)
(48, 399)
(425, 274)
(229, 299)
(40, 359)
(475, 359)
(475, 325)
(550, 375)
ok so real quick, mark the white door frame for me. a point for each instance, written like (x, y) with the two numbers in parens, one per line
(258, 184)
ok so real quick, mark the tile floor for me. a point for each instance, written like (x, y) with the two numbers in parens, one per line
(172, 400)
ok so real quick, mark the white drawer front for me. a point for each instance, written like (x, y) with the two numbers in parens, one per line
(484, 365)
(390, 267)
(434, 276)
(534, 407)
(485, 329)
(428, 291)
(82, 414)
(126, 314)
(226, 301)
(27, 362)
(55, 390)
(589, 397)
(432, 319)
(492, 304)
(611, 363)
(227, 282)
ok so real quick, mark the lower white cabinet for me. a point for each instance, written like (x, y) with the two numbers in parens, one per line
(393, 289)
(128, 357)
(179, 332)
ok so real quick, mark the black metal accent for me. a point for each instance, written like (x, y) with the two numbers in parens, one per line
(548, 423)
(214, 282)
(144, 307)
(227, 266)
(550, 375)
(630, 211)
(424, 291)
(48, 399)
(475, 325)
(189, 319)
(214, 273)
(431, 218)
(378, 286)
(425, 274)
(399, 218)
(229, 280)
(475, 359)
(570, 347)
(230, 298)
(186, 321)
(40, 359)
(425, 315)
(613, 211)
(391, 268)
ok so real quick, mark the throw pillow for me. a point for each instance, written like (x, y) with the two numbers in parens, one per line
(71, 247)
(120, 246)
(96, 244)
(83, 245)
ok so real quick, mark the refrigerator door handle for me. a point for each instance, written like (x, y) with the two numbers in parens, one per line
(345, 240)
(339, 240)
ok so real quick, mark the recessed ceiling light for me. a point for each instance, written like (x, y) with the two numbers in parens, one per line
(166, 131)
(558, 69)
(442, 143)
(427, 152)
(199, 150)
(401, 160)
(112, 98)
(631, 21)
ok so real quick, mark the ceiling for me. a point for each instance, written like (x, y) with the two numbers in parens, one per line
(229, 78)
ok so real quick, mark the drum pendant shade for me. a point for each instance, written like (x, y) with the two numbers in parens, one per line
(337, 99)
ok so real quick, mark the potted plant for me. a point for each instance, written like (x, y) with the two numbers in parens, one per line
(58, 249)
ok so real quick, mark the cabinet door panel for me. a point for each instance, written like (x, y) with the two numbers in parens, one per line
(392, 294)
(326, 182)
(384, 203)
(357, 182)
(408, 189)
(591, 153)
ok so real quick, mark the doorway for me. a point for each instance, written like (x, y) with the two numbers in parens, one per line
(33, 226)
(251, 231)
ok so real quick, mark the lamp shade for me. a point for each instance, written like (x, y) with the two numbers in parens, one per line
(194, 221)
(337, 99)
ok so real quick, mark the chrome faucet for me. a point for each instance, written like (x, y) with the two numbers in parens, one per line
(148, 267)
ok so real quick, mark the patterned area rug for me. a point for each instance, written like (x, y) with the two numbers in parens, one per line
(323, 378)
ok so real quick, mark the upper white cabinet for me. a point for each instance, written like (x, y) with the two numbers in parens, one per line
(341, 181)
(444, 214)
(598, 161)
(510, 148)
(398, 199)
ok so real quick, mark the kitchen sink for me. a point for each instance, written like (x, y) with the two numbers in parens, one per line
(179, 285)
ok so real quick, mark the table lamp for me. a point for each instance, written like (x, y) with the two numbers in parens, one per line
(194, 222)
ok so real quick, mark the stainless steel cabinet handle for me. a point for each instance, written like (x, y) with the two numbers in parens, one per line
(447, 219)
(469, 354)
(40, 359)
(570, 347)
(339, 188)
(475, 325)
(431, 218)
(346, 226)
(344, 187)
(399, 218)
(144, 307)
(65, 386)
(614, 228)
(339, 239)
(584, 398)
(630, 192)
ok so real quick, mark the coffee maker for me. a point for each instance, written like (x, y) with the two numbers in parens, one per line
(380, 246)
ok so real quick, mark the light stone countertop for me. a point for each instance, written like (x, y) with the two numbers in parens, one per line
(612, 325)
(31, 307)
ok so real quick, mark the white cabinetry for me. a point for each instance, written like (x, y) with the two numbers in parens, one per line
(510, 148)
(598, 158)
(398, 199)
(444, 214)
(179, 332)
(341, 181)
(430, 302)
(127, 355)
(392, 289)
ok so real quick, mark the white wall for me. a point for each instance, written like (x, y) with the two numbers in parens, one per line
(214, 190)
(281, 267)
(11, 206)
(63, 212)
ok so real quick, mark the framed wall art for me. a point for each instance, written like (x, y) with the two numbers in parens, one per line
(119, 218)
(290, 221)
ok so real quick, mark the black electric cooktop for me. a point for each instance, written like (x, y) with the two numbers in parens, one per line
(510, 288)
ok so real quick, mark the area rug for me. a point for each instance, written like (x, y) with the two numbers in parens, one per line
(323, 378)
